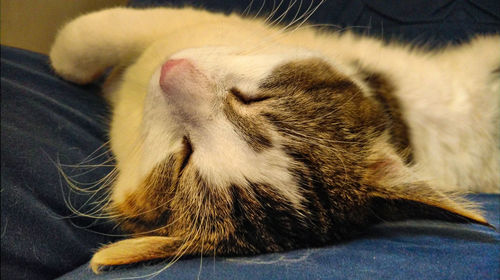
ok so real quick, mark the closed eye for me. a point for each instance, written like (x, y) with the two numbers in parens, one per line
(245, 99)
(187, 151)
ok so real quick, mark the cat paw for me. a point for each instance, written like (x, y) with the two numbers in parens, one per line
(134, 250)
(69, 58)
(84, 48)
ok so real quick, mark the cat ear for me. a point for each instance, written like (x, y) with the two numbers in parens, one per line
(419, 200)
(135, 250)
(397, 193)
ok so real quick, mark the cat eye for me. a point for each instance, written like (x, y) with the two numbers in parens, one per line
(187, 151)
(245, 99)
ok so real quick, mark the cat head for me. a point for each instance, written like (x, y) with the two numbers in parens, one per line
(237, 115)
(257, 152)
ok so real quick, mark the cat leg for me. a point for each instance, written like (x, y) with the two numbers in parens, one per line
(135, 250)
(397, 192)
(90, 44)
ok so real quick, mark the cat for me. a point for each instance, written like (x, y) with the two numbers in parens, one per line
(233, 137)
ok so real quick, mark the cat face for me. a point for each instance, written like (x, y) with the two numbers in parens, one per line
(225, 118)
(222, 109)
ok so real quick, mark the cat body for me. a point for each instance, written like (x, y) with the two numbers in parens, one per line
(235, 137)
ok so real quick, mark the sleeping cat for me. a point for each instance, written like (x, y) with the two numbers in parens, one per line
(235, 137)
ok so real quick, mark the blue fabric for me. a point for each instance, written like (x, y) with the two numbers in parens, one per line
(431, 23)
(46, 120)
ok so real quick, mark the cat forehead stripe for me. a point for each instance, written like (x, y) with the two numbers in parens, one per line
(250, 128)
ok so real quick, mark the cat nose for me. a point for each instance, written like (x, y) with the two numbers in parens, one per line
(171, 63)
(186, 86)
(173, 71)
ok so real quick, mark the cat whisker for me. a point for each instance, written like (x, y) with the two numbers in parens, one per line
(274, 9)
(266, 41)
(73, 189)
(247, 10)
(297, 19)
(280, 18)
(260, 10)
(94, 156)
(91, 187)
(299, 8)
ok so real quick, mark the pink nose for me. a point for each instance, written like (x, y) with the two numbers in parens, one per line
(186, 87)
(173, 71)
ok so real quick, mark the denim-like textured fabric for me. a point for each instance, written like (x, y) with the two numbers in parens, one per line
(45, 120)
(430, 23)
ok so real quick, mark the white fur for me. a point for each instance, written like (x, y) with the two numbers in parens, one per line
(450, 99)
